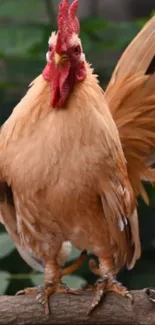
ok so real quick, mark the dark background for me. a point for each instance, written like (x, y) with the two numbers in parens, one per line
(107, 27)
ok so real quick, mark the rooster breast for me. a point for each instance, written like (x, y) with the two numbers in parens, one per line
(56, 172)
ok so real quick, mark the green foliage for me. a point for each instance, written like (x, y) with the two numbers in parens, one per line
(24, 30)
(6, 244)
(4, 280)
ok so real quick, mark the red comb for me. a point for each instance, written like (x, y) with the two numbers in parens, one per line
(68, 22)
(72, 13)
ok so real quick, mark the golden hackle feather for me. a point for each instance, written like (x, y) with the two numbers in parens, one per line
(131, 98)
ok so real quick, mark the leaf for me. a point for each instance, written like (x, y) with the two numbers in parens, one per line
(37, 279)
(75, 253)
(74, 281)
(31, 10)
(92, 24)
(18, 72)
(4, 281)
(19, 39)
(86, 41)
(6, 245)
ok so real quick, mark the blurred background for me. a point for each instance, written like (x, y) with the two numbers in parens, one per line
(107, 27)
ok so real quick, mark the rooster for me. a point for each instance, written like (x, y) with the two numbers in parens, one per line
(64, 175)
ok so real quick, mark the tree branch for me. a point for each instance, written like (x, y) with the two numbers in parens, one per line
(72, 309)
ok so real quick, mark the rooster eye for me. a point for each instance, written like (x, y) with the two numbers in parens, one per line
(77, 49)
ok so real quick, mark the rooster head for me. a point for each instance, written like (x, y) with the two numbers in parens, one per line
(65, 58)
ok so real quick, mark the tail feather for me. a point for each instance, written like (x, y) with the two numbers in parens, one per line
(133, 110)
(133, 220)
(139, 55)
(131, 98)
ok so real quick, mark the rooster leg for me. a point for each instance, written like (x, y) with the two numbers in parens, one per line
(52, 282)
(106, 283)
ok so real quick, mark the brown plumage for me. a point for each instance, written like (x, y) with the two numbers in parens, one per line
(55, 170)
(63, 172)
(69, 179)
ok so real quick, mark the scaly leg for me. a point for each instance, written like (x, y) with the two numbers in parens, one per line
(52, 282)
(107, 282)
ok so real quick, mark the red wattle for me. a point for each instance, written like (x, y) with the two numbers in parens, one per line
(47, 72)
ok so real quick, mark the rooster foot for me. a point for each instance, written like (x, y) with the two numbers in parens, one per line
(102, 286)
(115, 286)
(44, 292)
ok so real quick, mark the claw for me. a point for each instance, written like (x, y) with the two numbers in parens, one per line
(151, 294)
(40, 298)
(19, 293)
(43, 297)
(130, 297)
(28, 291)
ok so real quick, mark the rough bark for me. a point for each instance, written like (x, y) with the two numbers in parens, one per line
(69, 309)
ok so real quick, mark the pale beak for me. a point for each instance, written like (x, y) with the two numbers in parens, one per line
(60, 58)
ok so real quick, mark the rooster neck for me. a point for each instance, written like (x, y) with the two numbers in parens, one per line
(86, 95)
(35, 106)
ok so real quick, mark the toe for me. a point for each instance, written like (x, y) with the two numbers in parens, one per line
(100, 290)
(98, 296)
(117, 287)
(43, 297)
